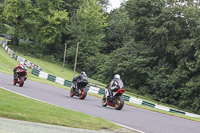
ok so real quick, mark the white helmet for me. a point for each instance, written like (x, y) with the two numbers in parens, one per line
(83, 73)
(117, 76)
(21, 63)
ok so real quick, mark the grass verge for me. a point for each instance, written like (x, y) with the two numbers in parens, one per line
(1, 38)
(18, 107)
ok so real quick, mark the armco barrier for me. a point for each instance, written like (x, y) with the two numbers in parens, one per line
(176, 111)
(51, 78)
(97, 90)
(126, 98)
(68, 83)
(148, 104)
(35, 72)
(18, 58)
(101, 91)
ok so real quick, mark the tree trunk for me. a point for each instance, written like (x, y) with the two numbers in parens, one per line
(15, 41)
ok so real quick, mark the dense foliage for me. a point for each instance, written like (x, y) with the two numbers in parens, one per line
(154, 45)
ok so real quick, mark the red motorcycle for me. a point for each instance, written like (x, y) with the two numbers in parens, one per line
(79, 91)
(117, 101)
(21, 76)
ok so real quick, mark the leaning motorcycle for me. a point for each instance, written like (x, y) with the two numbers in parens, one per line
(80, 90)
(117, 101)
(21, 76)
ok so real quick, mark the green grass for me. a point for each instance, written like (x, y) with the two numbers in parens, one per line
(6, 61)
(1, 38)
(7, 64)
(55, 68)
(18, 107)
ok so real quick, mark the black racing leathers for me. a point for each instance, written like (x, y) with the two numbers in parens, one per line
(80, 81)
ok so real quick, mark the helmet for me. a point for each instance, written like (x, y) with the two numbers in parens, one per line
(83, 73)
(117, 76)
(21, 63)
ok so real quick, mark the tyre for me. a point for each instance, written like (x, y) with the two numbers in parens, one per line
(71, 93)
(83, 93)
(104, 102)
(14, 83)
(21, 81)
(119, 103)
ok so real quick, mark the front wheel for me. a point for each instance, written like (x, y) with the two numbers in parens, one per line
(104, 101)
(71, 93)
(83, 93)
(21, 81)
(119, 103)
(14, 83)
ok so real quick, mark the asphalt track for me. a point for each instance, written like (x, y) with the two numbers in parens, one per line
(136, 118)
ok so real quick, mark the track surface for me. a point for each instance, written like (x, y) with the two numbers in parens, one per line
(140, 119)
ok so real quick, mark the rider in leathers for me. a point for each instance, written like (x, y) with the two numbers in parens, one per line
(80, 78)
(114, 85)
(21, 65)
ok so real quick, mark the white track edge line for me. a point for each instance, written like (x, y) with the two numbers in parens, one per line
(65, 108)
(129, 128)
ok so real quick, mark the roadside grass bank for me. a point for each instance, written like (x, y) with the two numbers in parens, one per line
(7, 64)
(14, 106)
(56, 69)
(1, 38)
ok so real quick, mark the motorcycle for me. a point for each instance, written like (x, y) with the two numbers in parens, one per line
(80, 90)
(21, 76)
(117, 101)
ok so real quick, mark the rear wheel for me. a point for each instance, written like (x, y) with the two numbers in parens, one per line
(21, 81)
(71, 93)
(83, 93)
(119, 103)
(104, 101)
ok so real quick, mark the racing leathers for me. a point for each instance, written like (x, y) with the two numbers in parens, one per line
(114, 85)
(15, 70)
(78, 80)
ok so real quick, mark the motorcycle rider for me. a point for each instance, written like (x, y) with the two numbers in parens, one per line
(78, 79)
(20, 66)
(113, 86)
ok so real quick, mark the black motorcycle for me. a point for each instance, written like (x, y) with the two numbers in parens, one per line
(80, 90)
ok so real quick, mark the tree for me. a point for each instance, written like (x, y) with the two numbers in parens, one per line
(104, 4)
(52, 27)
(174, 36)
(141, 11)
(71, 6)
(133, 62)
(119, 31)
(50, 24)
(87, 28)
(15, 13)
(2, 27)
